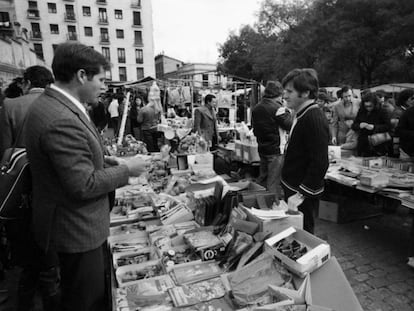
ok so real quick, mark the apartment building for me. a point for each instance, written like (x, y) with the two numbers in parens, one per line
(121, 30)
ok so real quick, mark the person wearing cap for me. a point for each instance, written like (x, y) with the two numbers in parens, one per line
(271, 120)
(344, 113)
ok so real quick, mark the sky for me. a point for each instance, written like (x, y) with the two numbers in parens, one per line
(191, 30)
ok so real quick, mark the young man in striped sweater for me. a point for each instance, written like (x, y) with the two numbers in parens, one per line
(306, 156)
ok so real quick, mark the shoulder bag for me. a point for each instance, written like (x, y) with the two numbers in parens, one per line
(15, 182)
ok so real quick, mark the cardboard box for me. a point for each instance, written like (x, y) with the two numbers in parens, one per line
(257, 198)
(331, 289)
(328, 211)
(275, 226)
(238, 150)
(342, 209)
(318, 251)
(250, 154)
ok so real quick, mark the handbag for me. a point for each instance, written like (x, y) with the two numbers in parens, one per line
(379, 138)
(15, 182)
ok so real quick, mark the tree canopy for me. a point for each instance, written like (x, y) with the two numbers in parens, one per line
(358, 42)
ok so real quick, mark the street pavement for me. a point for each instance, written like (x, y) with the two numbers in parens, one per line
(372, 252)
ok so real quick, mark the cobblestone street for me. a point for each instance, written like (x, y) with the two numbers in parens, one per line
(373, 254)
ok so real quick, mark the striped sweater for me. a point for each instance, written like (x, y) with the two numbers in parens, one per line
(306, 157)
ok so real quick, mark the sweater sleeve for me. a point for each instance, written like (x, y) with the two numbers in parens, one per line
(317, 146)
(384, 124)
(402, 129)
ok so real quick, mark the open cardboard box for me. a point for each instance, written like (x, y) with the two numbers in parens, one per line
(149, 252)
(318, 251)
(125, 275)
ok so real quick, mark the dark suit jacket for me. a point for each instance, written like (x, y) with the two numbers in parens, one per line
(12, 116)
(205, 123)
(70, 183)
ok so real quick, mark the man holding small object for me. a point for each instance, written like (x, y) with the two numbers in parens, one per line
(71, 177)
(306, 157)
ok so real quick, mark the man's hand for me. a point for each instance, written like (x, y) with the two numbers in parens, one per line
(137, 166)
(113, 161)
(294, 201)
(334, 142)
(363, 125)
(369, 127)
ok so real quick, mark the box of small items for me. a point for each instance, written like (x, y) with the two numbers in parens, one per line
(299, 250)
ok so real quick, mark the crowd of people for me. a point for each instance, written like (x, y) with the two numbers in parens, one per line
(59, 118)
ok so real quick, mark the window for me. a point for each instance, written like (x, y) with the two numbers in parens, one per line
(121, 55)
(88, 32)
(140, 73)
(86, 10)
(106, 53)
(72, 32)
(118, 14)
(120, 33)
(138, 37)
(38, 50)
(137, 18)
(205, 79)
(139, 56)
(122, 74)
(54, 29)
(32, 5)
(103, 17)
(5, 20)
(51, 7)
(104, 35)
(108, 75)
(36, 33)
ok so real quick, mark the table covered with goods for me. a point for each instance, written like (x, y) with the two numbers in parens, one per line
(184, 238)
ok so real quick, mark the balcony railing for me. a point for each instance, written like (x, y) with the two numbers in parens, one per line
(33, 14)
(72, 36)
(121, 60)
(138, 43)
(103, 21)
(139, 60)
(136, 4)
(35, 35)
(105, 39)
(70, 17)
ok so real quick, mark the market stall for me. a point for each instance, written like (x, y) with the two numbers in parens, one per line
(183, 238)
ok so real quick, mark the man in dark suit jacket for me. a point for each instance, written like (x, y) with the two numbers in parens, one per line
(205, 121)
(38, 270)
(35, 78)
(70, 179)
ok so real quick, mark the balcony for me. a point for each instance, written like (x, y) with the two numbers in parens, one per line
(101, 2)
(72, 36)
(121, 60)
(104, 39)
(35, 36)
(69, 0)
(70, 17)
(103, 21)
(136, 4)
(138, 43)
(33, 14)
(139, 60)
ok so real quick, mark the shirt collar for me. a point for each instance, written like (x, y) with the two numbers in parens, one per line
(76, 102)
(305, 105)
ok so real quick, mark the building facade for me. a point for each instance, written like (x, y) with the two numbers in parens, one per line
(16, 52)
(200, 75)
(121, 30)
(165, 64)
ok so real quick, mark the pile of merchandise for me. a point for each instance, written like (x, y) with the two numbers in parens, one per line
(211, 247)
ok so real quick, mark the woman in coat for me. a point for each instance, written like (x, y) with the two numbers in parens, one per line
(371, 119)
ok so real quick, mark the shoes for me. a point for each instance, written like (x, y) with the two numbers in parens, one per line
(411, 262)
(4, 295)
